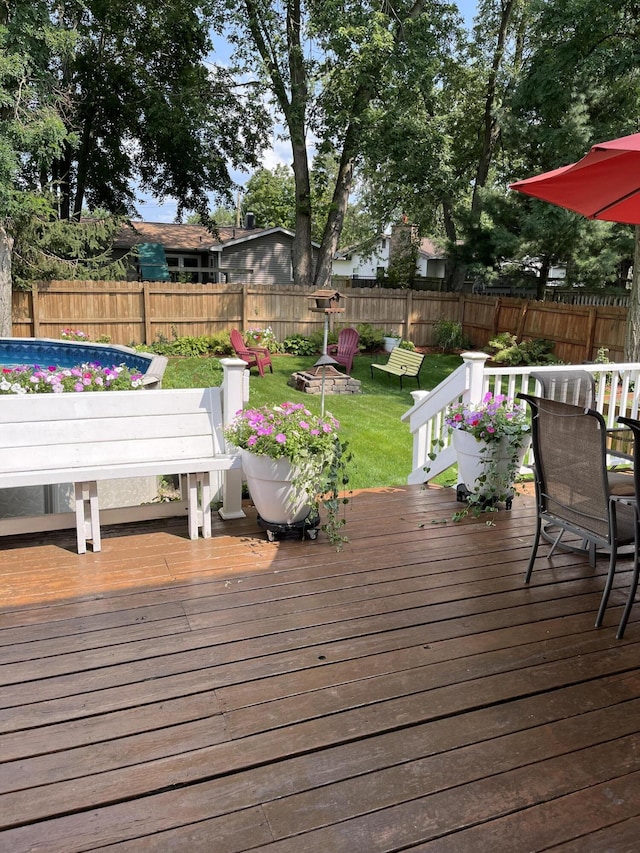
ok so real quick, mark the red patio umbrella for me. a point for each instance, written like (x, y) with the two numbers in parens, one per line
(605, 184)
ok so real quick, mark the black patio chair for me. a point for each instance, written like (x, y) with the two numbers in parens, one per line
(634, 426)
(575, 492)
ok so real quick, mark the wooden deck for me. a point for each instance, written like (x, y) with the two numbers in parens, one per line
(230, 694)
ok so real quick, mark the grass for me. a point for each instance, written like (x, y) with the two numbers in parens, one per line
(370, 423)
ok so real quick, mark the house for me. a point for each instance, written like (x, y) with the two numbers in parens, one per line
(368, 263)
(190, 253)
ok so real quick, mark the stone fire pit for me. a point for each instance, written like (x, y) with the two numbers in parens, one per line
(310, 381)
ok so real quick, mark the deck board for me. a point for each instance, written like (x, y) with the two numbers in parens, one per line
(231, 694)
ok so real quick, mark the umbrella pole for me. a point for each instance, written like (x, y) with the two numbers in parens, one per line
(632, 337)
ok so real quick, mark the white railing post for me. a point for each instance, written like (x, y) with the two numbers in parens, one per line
(233, 400)
(474, 362)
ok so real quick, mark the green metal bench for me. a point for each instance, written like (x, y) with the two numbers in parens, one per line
(402, 362)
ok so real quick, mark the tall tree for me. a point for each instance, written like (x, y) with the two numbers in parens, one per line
(433, 156)
(325, 64)
(97, 101)
(581, 88)
(270, 195)
(32, 131)
(147, 109)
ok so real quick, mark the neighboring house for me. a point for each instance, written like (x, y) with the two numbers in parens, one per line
(372, 261)
(190, 253)
(432, 260)
(363, 261)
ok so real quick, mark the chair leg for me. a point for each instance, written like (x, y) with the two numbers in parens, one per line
(607, 587)
(632, 589)
(534, 549)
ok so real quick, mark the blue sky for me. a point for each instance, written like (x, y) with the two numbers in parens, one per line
(151, 210)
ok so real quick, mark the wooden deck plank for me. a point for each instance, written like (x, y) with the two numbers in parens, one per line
(268, 781)
(233, 694)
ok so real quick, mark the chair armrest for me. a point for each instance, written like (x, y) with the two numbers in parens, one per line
(259, 350)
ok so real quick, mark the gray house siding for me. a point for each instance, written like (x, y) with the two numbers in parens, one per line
(268, 258)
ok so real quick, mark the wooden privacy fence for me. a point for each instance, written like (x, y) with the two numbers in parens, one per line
(141, 312)
(578, 331)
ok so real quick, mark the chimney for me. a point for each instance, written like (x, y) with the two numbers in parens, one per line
(403, 237)
(250, 221)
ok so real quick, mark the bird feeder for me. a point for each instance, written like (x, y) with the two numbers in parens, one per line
(327, 302)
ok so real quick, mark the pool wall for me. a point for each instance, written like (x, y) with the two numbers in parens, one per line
(47, 352)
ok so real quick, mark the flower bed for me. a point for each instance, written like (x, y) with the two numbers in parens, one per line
(91, 376)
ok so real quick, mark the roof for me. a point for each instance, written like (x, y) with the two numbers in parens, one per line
(181, 238)
(241, 235)
(430, 249)
(176, 237)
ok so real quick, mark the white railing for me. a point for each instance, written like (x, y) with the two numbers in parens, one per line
(617, 393)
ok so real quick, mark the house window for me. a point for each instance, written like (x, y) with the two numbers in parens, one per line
(383, 244)
(180, 266)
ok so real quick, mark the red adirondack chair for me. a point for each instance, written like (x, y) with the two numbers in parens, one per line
(347, 346)
(254, 356)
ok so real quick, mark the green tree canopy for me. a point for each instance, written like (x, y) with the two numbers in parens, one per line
(100, 99)
(327, 67)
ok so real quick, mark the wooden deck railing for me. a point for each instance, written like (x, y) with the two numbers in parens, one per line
(617, 393)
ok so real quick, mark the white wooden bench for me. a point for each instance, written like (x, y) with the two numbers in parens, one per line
(46, 439)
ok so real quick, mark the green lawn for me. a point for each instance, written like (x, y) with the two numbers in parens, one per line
(370, 421)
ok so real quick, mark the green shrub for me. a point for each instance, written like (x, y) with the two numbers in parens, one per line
(189, 346)
(407, 345)
(220, 344)
(371, 339)
(449, 335)
(299, 345)
(504, 349)
(317, 339)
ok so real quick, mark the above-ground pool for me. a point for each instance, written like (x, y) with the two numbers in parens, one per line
(47, 352)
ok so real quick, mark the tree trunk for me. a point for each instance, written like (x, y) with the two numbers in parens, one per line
(543, 278)
(6, 248)
(456, 267)
(632, 341)
(302, 251)
(340, 200)
(490, 124)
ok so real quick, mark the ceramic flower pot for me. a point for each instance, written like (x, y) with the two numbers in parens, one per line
(474, 462)
(390, 343)
(270, 484)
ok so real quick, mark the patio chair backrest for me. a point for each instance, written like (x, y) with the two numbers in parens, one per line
(576, 387)
(348, 341)
(237, 342)
(347, 347)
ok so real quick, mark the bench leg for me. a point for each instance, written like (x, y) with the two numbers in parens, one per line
(232, 495)
(87, 516)
(199, 490)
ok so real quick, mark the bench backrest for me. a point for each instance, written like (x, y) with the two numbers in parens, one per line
(407, 360)
(72, 430)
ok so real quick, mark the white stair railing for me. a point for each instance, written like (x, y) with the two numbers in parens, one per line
(617, 393)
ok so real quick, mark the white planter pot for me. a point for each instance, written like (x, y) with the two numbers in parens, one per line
(391, 343)
(473, 459)
(270, 485)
